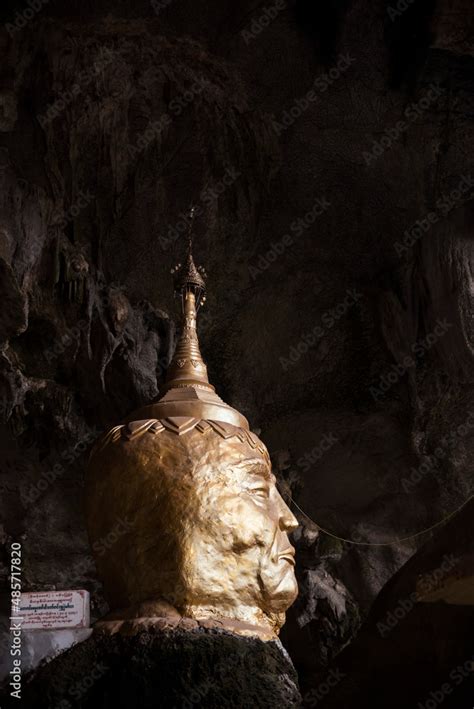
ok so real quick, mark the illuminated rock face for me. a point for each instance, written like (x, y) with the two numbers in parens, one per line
(204, 529)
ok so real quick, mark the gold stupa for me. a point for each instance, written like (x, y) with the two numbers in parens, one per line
(203, 529)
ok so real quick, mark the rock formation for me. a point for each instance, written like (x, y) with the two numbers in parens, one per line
(330, 147)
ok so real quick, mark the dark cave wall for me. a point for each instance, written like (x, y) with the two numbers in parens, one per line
(90, 220)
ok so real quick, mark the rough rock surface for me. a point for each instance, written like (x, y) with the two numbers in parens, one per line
(90, 224)
(179, 668)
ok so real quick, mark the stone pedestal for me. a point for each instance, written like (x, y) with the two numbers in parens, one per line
(182, 668)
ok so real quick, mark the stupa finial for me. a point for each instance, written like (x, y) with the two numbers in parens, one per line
(188, 277)
(187, 367)
(187, 391)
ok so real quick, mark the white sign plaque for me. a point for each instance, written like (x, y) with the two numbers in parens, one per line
(53, 609)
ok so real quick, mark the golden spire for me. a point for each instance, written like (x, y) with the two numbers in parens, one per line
(187, 392)
(187, 367)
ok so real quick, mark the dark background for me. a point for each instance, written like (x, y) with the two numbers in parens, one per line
(87, 319)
